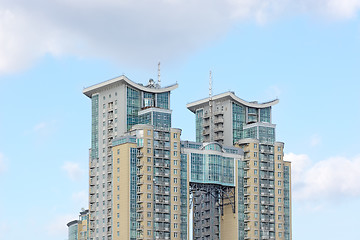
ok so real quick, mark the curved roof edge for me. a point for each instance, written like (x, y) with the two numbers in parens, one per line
(209, 143)
(192, 106)
(89, 91)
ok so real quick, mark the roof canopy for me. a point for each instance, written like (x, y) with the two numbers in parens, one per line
(230, 95)
(89, 91)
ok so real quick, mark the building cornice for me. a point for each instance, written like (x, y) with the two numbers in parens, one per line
(230, 95)
(89, 91)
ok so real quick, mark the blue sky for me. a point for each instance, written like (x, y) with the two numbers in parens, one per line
(306, 53)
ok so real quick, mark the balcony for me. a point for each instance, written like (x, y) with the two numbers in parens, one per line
(219, 129)
(219, 120)
(92, 181)
(266, 176)
(267, 151)
(140, 163)
(265, 211)
(140, 155)
(140, 208)
(217, 113)
(92, 224)
(92, 191)
(140, 218)
(206, 124)
(92, 164)
(139, 191)
(219, 137)
(92, 207)
(162, 138)
(206, 132)
(267, 168)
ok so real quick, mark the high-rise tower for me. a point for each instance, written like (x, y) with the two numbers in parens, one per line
(266, 177)
(117, 105)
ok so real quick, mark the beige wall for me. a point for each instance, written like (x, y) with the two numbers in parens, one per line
(121, 192)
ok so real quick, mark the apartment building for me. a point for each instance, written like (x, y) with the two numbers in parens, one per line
(117, 105)
(145, 183)
(230, 120)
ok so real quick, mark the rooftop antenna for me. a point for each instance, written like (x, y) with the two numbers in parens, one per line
(159, 80)
(211, 109)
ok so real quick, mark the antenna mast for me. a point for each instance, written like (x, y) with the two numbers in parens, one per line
(211, 110)
(159, 80)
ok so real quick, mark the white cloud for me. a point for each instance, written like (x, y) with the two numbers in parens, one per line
(3, 166)
(57, 226)
(330, 179)
(140, 32)
(73, 171)
(81, 198)
(315, 140)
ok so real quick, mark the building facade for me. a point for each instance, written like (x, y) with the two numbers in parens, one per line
(79, 229)
(229, 120)
(117, 105)
(145, 183)
(214, 189)
(150, 203)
